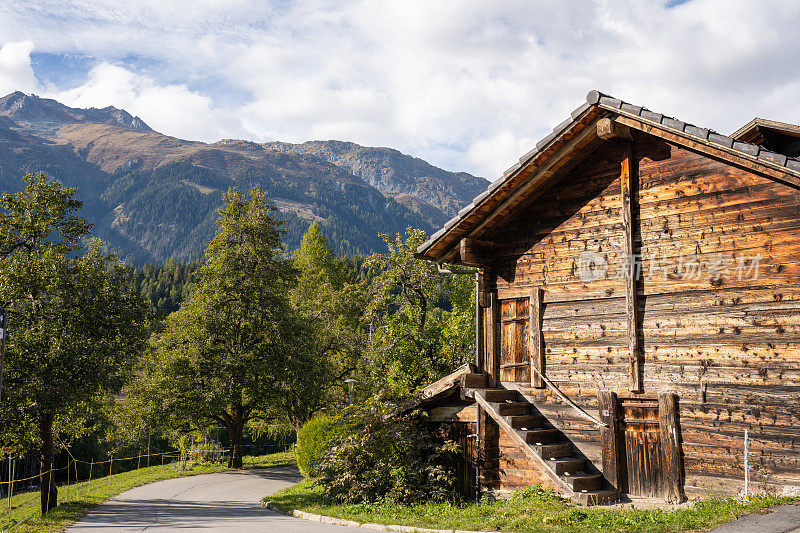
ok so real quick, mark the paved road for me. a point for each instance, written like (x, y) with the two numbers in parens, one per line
(784, 519)
(228, 501)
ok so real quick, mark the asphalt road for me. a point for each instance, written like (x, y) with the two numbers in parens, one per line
(228, 501)
(783, 519)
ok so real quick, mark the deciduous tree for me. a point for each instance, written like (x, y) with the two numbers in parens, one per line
(423, 322)
(74, 327)
(221, 357)
(329, 304)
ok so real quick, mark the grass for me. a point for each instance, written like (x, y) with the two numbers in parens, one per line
(530, 510)
(79, 498)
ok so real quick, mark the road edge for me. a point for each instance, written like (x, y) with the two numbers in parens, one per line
(352, 523)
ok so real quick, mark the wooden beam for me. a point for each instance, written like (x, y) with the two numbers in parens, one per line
(481, 302)
(488, 450)
(609, 129)
(553, 163)
(627, 177)
(535, 337)
(474, 252)
(492, 339)
(610, 441)
(728, 155)
(470, 253)
(671, 447)
(438, 388)
(483, 293)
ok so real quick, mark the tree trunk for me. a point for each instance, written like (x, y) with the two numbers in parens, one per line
(47, 485)
(235, 427)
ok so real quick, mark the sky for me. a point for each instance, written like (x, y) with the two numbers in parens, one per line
(466, 85)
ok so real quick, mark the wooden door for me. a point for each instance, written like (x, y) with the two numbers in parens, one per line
(515, 357)
(642, 447)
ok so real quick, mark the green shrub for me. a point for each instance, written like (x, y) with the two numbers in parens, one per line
(396, 458)
(314, 440)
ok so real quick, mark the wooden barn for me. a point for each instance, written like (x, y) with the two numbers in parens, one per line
(639, 310)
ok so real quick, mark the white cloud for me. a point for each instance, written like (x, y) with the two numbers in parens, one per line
(172, 109)
(466, 85)
(16, 73)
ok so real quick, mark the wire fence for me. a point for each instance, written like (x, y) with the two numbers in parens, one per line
(67, 477)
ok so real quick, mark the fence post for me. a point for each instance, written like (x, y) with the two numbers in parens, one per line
(66, 487)
(49, 487)
(75, 465)
(89, 485)
(746, 467)
(11, 485)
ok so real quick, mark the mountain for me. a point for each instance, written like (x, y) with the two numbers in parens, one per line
(393, 172)
(152, 196)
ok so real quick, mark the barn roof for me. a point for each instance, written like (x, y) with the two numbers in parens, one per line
(750, 131)
(577, 133)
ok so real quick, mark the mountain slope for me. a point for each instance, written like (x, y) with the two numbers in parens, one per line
(394, 172)
(153, 196)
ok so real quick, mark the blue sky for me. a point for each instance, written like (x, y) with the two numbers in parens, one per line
(467, 85)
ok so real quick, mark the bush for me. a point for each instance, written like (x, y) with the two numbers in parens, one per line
(397, 458)
(314, 440)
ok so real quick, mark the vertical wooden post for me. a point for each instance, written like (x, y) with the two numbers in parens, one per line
(535, 337)
(627, 175)
(479, 330)
(610, 440)
(671, 447)
(492, 340)
(489, 451)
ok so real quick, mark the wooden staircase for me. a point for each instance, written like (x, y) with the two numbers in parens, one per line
(546, 447)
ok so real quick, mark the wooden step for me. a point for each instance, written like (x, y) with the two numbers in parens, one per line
(474, 380)
(552, 451)
(500, 395)
(541, 436)
(513, 408)
(595, 497)
(584, 482)
(569, 473)
(565, 466)
(525, 421)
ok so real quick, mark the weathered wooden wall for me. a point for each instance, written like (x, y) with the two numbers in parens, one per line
(730, 348)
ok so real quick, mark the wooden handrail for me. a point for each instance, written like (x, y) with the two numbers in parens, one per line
(572, 404)
(521, 442)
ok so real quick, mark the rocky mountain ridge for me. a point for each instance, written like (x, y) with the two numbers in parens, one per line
(31, 110)
(153, 196)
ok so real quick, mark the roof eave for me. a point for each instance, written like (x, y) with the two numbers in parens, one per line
(746, 155)
(539, 154)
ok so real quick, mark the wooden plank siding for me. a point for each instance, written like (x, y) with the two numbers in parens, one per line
(729, 347)
(515, 470)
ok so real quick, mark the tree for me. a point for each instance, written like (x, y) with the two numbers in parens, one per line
(221, 356)
(74, 327)
(423, 323)
(329, 304)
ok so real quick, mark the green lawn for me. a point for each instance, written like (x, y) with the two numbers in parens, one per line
(528, 511)
(77, 499)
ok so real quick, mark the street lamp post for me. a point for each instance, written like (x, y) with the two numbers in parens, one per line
(350, 383)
